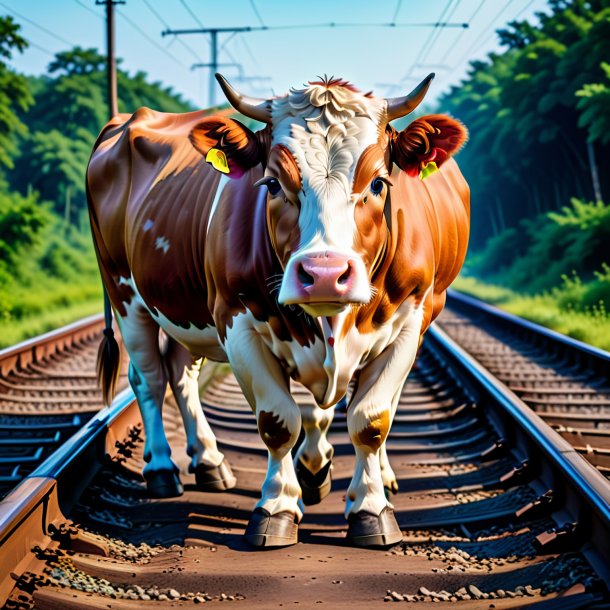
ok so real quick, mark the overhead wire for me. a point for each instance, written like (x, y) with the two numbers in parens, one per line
(398, 5)
(165, 24)
(138, 29)
(258, 15)
(89, 9)
(37, 25)
(424, 47)
(474, 47)
(460, 34)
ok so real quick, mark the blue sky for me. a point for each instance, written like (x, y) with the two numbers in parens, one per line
(387, 60)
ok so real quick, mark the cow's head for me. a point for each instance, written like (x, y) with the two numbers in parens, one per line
(328, 153)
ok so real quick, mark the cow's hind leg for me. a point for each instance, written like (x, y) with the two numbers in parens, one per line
(274, 521)
(149, 382)
(313, 459)
(212, 471)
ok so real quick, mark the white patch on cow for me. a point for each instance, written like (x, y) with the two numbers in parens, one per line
(148, 225)
(162, 243)
(221, 185)
(326, 129)
(199, 341)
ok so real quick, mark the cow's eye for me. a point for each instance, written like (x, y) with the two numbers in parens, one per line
(377, 186)
(273, 186)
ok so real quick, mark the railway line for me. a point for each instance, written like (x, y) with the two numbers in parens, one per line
(565, 381)
(498, 510)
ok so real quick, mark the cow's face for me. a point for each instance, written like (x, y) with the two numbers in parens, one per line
(327, 180)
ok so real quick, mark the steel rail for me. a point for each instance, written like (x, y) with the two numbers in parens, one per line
(42, 346)
(49, 492)
(584, 482)
(595, 354)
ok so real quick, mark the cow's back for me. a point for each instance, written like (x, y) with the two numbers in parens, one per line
(150, 196)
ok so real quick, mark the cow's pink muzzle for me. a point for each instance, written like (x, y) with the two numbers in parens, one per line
(324, 278)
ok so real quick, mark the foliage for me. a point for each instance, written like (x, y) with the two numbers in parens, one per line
(594, 105)
(21, 222)
(588, 323)
(14, 93)
(547, 248)
(527, 109)
(69, 111)
(48, 125)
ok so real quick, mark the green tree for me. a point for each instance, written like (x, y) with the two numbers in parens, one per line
(594, 105)
(14, 93)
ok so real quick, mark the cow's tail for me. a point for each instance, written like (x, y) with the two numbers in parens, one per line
(108, 356)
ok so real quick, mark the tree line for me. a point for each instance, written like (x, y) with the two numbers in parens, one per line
(48, 125)
(539, 117)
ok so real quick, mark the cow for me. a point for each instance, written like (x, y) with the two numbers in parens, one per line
(318, 248)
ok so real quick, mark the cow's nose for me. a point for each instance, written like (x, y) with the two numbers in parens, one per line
(329, 276)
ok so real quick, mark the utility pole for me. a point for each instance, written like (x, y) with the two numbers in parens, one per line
(109, 344)
(113, 108)
(213, 65)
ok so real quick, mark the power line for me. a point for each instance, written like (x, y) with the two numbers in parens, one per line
(37, 25)
(191, 13)
(37, 46)
(166, 25)
(305, 26)
(88, 8)
(258, 15)
(460, 34)
(477, 43)
(426, 43)
(140, 31)
(398, 4)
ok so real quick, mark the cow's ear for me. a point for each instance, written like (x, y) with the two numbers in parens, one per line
(227, 145)
(431, 139)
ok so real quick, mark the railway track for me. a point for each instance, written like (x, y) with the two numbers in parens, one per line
(497, 509)
(48, 391)
(565, 381)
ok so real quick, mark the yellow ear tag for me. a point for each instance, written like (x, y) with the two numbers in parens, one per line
(218, 160)
(428, 170)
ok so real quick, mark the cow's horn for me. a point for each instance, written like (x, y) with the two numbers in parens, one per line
(401, 106)
(253, 107)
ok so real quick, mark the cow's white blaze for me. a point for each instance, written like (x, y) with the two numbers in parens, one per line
(326, 129)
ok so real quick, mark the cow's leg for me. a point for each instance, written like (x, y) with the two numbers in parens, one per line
(148, 379)
(313, 459)
(369, 417)
(274, 521)
(212, 471)
(390, 484)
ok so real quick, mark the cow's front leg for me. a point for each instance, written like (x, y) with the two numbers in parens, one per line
(313, 459)
(274, 521)
(369, 513)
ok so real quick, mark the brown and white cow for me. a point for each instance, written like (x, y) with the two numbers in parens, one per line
(312, 249)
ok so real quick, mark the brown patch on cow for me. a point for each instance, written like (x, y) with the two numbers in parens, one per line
(273, 431)
(433, 137)
(240, 145)
(371, 164)
(283, 209)
(376, 431)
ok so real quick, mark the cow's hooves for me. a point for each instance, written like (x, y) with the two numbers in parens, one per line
(267, 530)
(215, 478)
(390, 490)
(315, 487)
(366, 529)
(163, 484)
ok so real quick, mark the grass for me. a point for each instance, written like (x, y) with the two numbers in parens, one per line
(49, 306)
(591, 325)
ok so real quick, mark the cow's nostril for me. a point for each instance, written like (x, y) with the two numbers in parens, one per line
(305, 278)
(345, 275)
